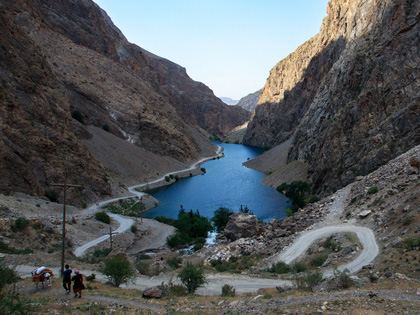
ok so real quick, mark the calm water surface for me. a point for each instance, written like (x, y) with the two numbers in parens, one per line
(227, 183)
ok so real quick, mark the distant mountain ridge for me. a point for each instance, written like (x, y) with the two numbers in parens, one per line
(250, 101)
(229, 101)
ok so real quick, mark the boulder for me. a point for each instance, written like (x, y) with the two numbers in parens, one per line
(153, 292)
(241, 225)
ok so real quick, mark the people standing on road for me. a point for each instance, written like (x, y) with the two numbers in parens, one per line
(67, 279)
(78, 285)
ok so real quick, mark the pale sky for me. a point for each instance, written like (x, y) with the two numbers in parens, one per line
(229, 45)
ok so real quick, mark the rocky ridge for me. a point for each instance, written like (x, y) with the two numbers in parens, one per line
(64, 67)
(348, 97)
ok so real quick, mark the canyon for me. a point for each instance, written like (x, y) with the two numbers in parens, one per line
(347, 99)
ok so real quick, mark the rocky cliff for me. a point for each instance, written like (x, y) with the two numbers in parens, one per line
(250, 101)
(64, 67)
(349, 96)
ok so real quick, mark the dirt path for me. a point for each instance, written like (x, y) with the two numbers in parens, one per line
(330, 225)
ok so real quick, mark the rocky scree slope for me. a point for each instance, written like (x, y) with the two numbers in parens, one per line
(69, 56)
(349, 97)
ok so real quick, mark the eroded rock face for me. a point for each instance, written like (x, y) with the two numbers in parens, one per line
(241, 225)
(61, 57)
(350, 95)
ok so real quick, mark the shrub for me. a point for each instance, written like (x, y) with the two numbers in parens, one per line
(91, 277)
(373, 190)
(298, 267)
(105, 127)
(167, 178)
(307, 281)
(296, 192)
(12, 303)
(318, 261)
(411, 243)
(279, 268)
(20, 224)
(52, 195)
(177, 290)
(228, 290)
(221, 218)
(103, 217)
(76, 114)
(7, 276)
(203, 170)
(192, 277)
(134, 228)
(174, 262)
(118, 270)
(343, 279)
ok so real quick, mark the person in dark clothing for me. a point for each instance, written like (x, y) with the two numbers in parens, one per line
(78, 285)
(67, 279)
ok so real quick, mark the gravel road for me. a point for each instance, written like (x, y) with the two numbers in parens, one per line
(302, 243)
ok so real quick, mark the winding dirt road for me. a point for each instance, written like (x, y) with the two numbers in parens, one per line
(302, 243)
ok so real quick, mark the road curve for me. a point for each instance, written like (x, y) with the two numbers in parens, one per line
(301, 244)
(126, 223)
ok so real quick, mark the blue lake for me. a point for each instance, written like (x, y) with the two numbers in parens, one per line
(226, 183)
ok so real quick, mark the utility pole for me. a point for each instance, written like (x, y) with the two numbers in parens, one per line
(110, 236)
(63, 236)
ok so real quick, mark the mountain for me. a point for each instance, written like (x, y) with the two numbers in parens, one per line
(349, 97)
(229, 101)
(76, 96)
(250, 101)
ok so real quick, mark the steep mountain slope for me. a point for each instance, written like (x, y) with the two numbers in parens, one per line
(66, 58)
(250, 101)
(350, 95)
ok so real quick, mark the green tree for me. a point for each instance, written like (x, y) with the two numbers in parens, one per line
(192, 277)
(221, 218)
(295, 191)
(118, 270)
(103, 217)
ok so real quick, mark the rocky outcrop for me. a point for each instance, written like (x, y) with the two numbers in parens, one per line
(66, 67)
(349, 96)
(241, 225)
(250, 101)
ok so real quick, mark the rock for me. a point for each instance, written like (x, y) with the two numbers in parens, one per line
(406, 208)
(153, 292)
(397, 242)
(284, 288)
(258, 297)
(241, 225)
(364, 214)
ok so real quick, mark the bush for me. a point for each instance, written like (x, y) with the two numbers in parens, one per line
(279, 268)
(118, 270)
(76, 114)
(103, 217)
(307, 281)
(221, 218)
(52, 195)
(228, 290)
(134, 228)
(174, 262)
(7, 276)
(19, 225)
(12, 303)
(318, 261)
(343, 279)
(298, 267)
(177, 290)
(296, 192)
(192, 277)
(373, 190)
(91, 277)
